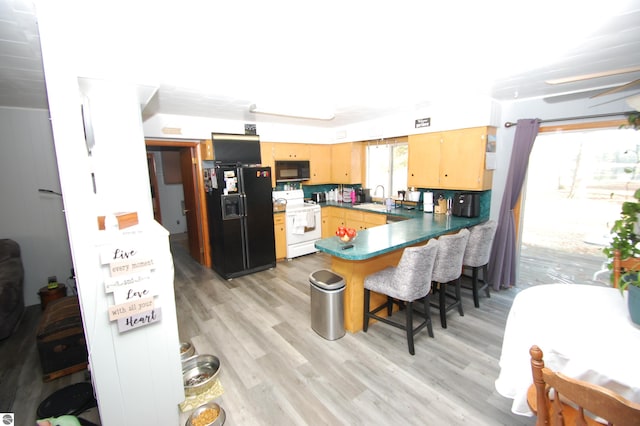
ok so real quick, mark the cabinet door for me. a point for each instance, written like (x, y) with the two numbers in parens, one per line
(372, 220)
(346, 163)
(424, 160)
(354, 219)
(206, 150)
(326, 222)
(320, 163)
(291, 151)
(462, 159)
(279, 226)
(336, 219)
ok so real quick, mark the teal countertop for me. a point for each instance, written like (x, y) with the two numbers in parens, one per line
(387, 238)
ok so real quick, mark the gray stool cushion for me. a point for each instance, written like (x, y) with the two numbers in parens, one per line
(448, 266)
(479, 245)
(411, 279)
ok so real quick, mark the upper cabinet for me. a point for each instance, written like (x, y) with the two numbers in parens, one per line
(206, 149)
(346, 163)
(290, 151)
(320, 163)
(450, 160)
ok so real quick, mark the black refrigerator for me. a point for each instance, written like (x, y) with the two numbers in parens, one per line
(240, 215)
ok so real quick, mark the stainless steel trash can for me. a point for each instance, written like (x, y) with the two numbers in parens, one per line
(327, 304)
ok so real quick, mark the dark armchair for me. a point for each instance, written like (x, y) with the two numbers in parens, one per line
(11, 283)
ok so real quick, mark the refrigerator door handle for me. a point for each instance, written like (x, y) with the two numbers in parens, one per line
(243, 205)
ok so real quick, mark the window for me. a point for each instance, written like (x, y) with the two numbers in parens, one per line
(576, 184)
(387, 166)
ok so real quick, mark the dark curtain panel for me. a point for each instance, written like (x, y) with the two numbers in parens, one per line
(502, 266)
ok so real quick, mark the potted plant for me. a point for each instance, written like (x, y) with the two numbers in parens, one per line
(625, 240)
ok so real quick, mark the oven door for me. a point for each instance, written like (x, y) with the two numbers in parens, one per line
(303, 225)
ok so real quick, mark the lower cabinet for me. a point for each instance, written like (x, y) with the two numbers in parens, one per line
(332, 217)
(280, 228)
(327, 230)
(364, 220)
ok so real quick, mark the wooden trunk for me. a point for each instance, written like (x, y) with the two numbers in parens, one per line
(60, 339)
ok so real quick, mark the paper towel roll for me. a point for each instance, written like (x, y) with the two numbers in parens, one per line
(427, 200)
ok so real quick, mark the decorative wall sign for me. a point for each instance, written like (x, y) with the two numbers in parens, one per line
(131, 308)
(113, 283)
(145, 318)
(423, 122)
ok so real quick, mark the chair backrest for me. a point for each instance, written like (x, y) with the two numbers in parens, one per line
(622, 265)
(412, 276)
(597, 400)
(478, 248)
(448, 266)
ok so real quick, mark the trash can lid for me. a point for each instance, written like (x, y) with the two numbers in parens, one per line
(326, 279)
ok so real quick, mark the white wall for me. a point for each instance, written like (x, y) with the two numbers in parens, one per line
(171, 198)
(445, 114)
(136, 375)
(35, 220)
(202, 127)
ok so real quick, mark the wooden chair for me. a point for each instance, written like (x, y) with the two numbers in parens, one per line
(587, 397)
(621, 265)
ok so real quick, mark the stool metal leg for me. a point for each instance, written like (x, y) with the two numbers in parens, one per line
(474, 286)
(365, 323)
(409, 316)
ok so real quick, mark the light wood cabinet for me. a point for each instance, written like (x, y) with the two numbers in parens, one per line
(424, 160)
(346, 163)
(320, 163)
(290, 151)
(280, 229)
(327, 230)
(374, 219)
(453, 159)
(360, 220)
(336, 219)
(206, 149)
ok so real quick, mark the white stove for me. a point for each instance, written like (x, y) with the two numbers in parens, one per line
(304, 223)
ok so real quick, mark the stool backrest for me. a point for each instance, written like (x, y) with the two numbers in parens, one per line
(448, 266)
(412, 276)
(478, 248)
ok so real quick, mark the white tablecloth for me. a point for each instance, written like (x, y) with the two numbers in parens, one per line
(584, 331)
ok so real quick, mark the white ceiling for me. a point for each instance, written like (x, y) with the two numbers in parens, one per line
(363, 59)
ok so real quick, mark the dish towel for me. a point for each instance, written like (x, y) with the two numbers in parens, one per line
(299, 223)
(311, 219)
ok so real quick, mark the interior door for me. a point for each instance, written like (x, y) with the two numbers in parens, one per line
(153, 181)
(192, 206)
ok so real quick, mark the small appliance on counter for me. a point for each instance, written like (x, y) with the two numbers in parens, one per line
(319, 197)
(363, 195)
(466, 204)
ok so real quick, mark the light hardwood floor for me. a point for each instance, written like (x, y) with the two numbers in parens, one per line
(277, 370)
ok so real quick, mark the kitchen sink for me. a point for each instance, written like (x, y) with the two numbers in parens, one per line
(371, 206)
(394, 218)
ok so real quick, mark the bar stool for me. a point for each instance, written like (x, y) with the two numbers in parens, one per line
(447, 269)
(405, 283)
(477, 254)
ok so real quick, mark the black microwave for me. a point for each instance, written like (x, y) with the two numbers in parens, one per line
(292, 171)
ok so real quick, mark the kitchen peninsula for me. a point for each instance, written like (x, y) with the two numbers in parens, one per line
(379, 247)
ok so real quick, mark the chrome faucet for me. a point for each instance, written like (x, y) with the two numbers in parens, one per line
(375, 191)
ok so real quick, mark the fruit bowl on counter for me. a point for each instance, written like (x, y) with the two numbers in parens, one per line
(346, 235)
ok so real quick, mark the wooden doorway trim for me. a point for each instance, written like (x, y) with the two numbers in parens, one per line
(153, 180)
(194, 190)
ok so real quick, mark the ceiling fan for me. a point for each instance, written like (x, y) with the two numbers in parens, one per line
(633, 99)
